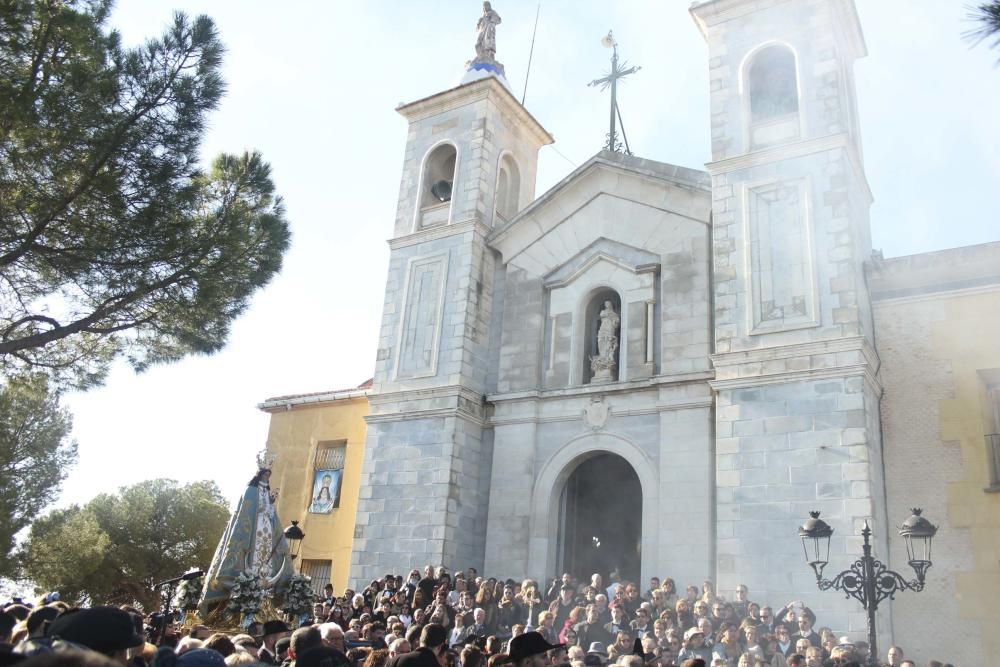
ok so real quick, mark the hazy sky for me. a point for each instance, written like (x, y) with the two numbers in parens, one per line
(314, 85)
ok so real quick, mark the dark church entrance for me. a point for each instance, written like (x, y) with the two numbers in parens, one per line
(600, 519)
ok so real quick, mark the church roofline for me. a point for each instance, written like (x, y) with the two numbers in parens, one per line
(710, 12)
(680, 176)
(950, 270)
(466, 93)
(280, 403)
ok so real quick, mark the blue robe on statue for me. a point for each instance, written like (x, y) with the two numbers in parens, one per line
(253, 542)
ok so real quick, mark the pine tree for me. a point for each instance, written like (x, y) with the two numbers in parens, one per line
(987, 15)
(35, 455)
(113, 241)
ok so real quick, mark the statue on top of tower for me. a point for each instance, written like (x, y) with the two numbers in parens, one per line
(486, 35)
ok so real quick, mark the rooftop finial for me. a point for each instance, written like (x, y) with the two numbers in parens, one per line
(618, 71)
(485, 61)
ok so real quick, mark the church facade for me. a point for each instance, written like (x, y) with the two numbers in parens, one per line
(661, 371)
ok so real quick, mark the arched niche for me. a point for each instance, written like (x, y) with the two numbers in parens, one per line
(598, 301)
(436, 184)
(772, 94)
(508, 189)
(771, 83)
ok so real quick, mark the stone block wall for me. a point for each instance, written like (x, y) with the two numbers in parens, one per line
(935, 314)
(834, 246)
(783, 450)
(424, 496)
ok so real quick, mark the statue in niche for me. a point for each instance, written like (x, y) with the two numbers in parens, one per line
(486, 35)
(603, 363)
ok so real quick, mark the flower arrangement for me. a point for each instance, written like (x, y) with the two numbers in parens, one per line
(245, 596)
(300, 597)
(189, 594)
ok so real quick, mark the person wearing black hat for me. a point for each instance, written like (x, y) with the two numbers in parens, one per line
(273, 631)
(432, 651)
(105, 630)
(529, 649)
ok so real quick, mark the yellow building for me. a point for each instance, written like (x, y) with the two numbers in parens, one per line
(937, 318)
(319, 440)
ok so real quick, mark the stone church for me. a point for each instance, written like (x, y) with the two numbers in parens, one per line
(662, 370)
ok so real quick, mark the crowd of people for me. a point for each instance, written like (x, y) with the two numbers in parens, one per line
(435, 619)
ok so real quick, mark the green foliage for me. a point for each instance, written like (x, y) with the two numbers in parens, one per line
(987, 15)
(113, 549)
(35, 455)
(112, 241)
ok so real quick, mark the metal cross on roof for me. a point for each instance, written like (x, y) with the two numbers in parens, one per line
(618, 71)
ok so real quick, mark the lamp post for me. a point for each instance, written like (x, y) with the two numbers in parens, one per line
(868, 580)
(294, 535)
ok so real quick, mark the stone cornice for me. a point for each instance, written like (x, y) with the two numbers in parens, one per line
(600, 389)
(468, 93)
(793, 150)
(450, 390)
(866, 365)
(526, 418)
(791, 351)
(440, 232)
(426, 403)
(412, 415)
(713, 12)
(925, 293)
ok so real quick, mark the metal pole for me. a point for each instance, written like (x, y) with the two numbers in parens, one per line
(531, 52)
(870, 596)
(614, 97)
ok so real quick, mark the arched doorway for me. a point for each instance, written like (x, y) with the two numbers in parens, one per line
(600, 519)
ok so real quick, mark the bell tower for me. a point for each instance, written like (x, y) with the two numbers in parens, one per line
(797, 411)
(469, 164)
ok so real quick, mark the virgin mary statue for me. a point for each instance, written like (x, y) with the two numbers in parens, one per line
(253, 543)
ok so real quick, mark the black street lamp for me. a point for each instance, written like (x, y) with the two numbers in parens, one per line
(868, 580)
(294, 535)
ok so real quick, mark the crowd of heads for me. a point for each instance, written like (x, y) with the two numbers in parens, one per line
(432, 618)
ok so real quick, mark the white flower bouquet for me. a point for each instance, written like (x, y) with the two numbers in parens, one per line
(245, 596)
(300, 597)
(189, 594)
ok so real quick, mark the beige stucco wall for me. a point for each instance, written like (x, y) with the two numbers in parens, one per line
(294, 434)
(937, 323)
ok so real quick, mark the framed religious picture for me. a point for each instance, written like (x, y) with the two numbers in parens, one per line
(325, 491)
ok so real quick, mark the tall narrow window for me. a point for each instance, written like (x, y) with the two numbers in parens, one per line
(328, 473)
(436, 186)
(771, 83)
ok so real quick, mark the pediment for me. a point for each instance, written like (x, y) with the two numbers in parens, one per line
(660, 189)
(625, 256)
